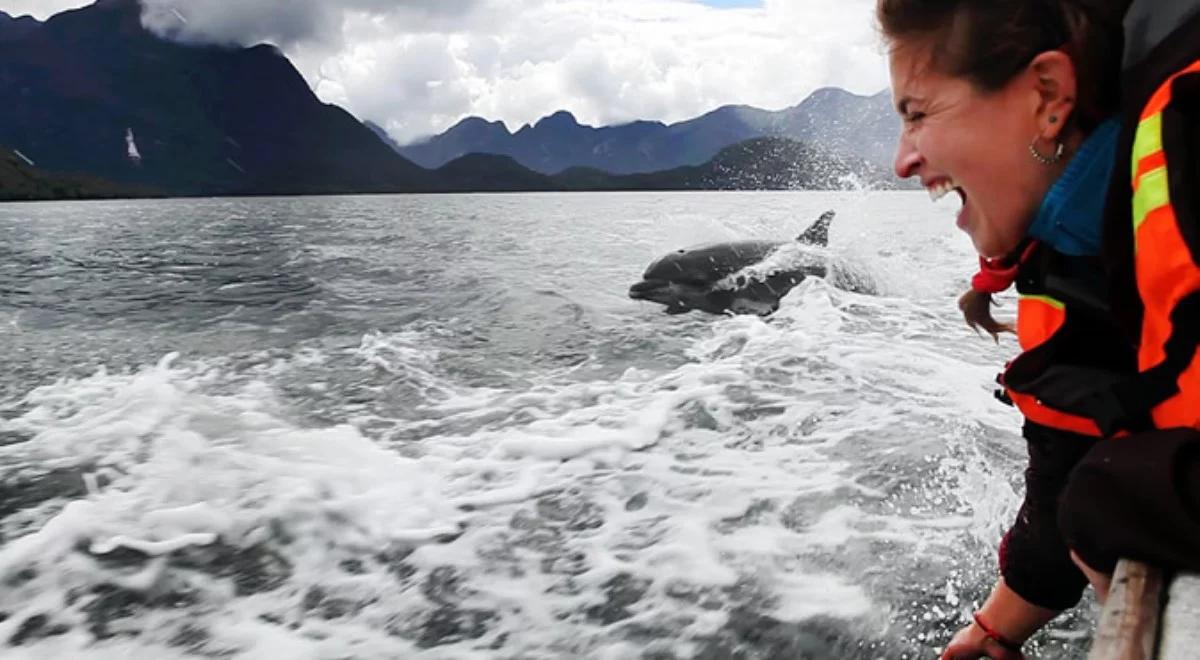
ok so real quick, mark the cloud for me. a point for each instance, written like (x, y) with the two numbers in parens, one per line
(290, 23)
(418, 66)
(606, 61)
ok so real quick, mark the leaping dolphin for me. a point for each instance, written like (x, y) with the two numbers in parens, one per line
(700, 277)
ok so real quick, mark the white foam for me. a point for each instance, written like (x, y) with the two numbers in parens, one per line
(731, 477)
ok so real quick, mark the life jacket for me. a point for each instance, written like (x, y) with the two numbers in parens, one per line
(1166, 250)
(1072, 350)
(1154, 225)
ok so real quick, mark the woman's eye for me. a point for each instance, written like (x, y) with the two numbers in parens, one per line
(915, 117)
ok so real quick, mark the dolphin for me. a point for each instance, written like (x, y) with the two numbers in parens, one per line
(708, 277)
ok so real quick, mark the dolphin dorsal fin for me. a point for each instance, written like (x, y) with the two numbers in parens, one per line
(818, 233)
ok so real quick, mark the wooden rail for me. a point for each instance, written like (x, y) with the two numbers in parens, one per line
(1149, 616)
(1128, 627)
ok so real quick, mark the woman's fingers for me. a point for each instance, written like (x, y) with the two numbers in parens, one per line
(976, 308)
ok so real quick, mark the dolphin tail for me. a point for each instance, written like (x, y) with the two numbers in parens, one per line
(818, 233)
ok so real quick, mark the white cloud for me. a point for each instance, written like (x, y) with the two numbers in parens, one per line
(418, 66)
(606, 61)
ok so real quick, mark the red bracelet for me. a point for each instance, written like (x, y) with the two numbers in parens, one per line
(995, 636)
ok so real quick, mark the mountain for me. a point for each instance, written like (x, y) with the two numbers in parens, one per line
(756, 164)
(16, 28)
(491, 173)
(91, 90)
(471, 135)
(382, 135)
(831, 119)
(864, 126)
(19, 180)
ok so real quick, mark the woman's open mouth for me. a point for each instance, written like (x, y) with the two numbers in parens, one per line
(938, 190)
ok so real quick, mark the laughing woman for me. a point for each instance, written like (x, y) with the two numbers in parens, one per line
(1011, 105)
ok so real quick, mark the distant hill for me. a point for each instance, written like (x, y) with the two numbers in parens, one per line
(757, 164)
(19, 181)
(491, 173)
(832, 119)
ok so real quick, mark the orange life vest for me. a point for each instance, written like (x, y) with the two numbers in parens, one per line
(1165, 260)
(1039, 318)
(1072, 350)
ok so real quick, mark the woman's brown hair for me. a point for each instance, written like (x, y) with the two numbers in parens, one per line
(990, 41)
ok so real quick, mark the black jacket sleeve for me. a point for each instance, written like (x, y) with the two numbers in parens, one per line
(1034, 559)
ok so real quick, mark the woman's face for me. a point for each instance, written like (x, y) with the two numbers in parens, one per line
(959, 139)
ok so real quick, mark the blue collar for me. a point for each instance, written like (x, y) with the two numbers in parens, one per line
(1071, 215)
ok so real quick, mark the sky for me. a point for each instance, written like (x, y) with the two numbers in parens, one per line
(416, 67)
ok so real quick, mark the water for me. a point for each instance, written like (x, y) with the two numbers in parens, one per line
(435, 427)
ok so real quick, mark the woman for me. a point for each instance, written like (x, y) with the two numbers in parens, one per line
(1009, 104)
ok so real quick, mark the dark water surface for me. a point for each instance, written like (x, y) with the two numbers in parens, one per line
(434, 426)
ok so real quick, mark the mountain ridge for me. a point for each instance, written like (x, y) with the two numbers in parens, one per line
(13, 28)
(92, 91)
(766, 163)
(88, 83)
(831, 118)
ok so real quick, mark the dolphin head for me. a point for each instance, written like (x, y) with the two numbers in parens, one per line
(677, 297)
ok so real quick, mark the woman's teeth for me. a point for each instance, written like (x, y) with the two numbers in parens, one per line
(940, 190)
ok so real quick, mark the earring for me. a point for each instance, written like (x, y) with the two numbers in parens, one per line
(1046, 160)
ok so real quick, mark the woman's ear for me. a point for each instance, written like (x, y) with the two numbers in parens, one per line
(1056, 84)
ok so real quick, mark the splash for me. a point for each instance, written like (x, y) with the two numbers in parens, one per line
(829, 483)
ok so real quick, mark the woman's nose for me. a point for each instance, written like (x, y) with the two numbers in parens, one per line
(908, 159)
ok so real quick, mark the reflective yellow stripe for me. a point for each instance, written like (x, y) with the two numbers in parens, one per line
(1152, 193)
(1148, 140)
(1044, 299)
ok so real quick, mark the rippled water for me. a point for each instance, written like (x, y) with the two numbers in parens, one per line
(434, 426)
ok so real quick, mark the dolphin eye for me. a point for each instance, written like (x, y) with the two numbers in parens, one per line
(741, 280)
(681, 252)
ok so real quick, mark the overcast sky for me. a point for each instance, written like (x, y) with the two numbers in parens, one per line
(418, 66)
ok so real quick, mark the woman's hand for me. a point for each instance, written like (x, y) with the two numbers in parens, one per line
(972, 642)
(1009, 617)
(976, 308)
